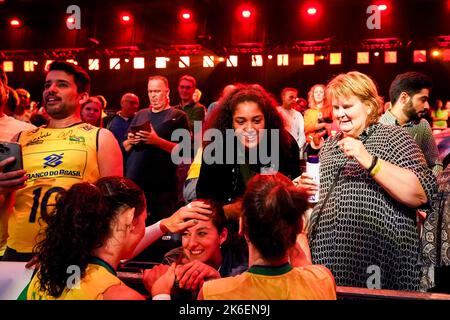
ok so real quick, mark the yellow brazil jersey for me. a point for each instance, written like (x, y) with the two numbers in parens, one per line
(54, 159)
(98, 278)
(312, 282)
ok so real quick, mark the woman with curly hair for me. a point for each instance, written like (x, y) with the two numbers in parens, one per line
(248, 121)
(94, 227)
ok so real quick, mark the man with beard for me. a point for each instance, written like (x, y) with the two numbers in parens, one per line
(65, 152)
(409, 94)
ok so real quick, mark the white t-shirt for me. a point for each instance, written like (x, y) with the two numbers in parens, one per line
(9, 127)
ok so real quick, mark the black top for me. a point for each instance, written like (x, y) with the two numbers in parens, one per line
(225, 183)
(149, 166)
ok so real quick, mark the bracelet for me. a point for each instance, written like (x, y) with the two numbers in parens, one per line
(376, 169)
(374, 162)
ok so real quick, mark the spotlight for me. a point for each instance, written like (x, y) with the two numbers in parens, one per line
(126, 18)
(270, 57)
(70, 20)
(15, 22)
(382, 7)
(246, 13)
(186, 15)
(376, 53)
(311, 11)
(435, 53)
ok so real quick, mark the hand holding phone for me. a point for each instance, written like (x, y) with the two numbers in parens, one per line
(11, 149)
(143, 126)
(12, 175)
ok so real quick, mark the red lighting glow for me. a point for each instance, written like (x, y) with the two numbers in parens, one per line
(311, 11)
(71, 20)
(126, 18)
(15, 22)
(382, 7)
(246, 13)
(186, 15)
(435, 53)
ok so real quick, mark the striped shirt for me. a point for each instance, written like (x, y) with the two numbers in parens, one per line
(422, 134)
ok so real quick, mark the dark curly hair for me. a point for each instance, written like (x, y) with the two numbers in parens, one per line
(272, 211)
(222, 116)
(80, 223)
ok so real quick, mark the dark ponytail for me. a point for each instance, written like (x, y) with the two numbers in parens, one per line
(272, 211)
(81, 223)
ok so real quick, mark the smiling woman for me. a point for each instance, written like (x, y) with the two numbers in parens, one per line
(251, 114)
(373, 177)
(209, 250)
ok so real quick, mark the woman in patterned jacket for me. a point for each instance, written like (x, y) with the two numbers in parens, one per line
(372, 179)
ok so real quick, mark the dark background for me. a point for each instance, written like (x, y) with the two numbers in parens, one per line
(275, 27)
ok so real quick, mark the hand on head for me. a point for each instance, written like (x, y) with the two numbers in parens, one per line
(186, 217)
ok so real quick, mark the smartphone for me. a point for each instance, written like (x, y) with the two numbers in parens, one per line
(11, 149)
(143, 126)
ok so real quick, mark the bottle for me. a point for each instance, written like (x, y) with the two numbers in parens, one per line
(313, 169)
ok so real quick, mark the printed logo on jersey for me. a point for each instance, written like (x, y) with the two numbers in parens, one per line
(77, 140)
(56, 164)
(53, 160)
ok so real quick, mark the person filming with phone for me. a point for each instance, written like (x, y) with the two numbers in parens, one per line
(149, 148)
(56, 156)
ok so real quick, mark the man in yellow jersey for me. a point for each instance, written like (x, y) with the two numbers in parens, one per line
(65, 152)
(9, 181)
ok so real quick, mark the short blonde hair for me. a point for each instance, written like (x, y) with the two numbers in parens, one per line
(356, 84)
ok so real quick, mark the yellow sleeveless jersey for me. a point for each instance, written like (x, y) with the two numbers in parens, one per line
(97, 280)
(54, 159)
(312, 282)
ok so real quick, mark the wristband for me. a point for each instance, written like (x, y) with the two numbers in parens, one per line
(376, 169)
(372, 165)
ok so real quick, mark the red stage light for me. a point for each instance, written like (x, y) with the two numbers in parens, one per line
(15, 22)
(71, 20)
(435, 53)
(246, 13)
(382, 7)
(186, 15)
(311, 11)
(126, 18)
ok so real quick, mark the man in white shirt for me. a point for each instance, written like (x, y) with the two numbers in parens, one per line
(293, 119)
(15, 179)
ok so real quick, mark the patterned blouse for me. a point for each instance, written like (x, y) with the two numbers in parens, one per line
(362, 229)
